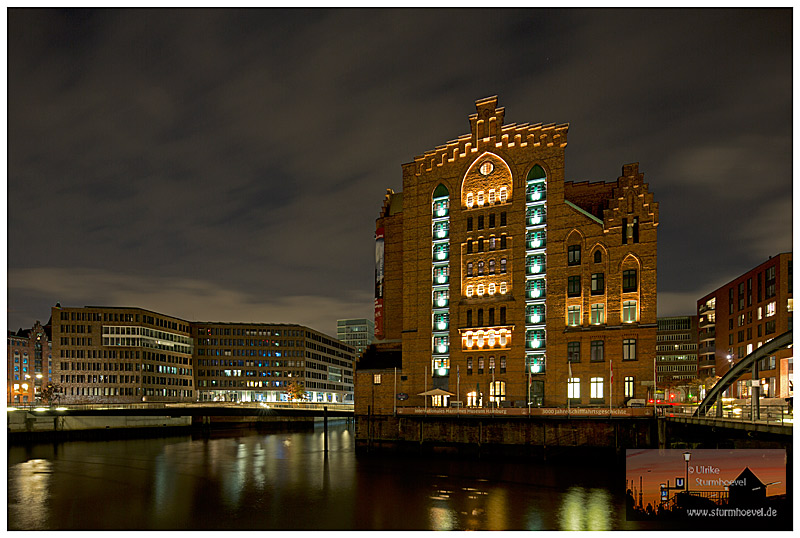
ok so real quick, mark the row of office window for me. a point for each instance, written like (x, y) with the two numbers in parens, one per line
(597, 350)
(492, 221)
(598, 314)
(494, 243)
(481, 197)
(490, 319)
(596, 388)
(481, 267)
(629, 283)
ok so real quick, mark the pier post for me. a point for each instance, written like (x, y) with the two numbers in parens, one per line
(325, 427)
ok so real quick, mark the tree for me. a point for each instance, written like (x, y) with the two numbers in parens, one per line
(296, 392)
(50, 392)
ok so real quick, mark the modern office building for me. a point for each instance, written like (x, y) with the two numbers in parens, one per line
(356, 333)
(676, 357)
(29, 363)
(741, 316)
(502, 283)
(121, 354)
(255, 362)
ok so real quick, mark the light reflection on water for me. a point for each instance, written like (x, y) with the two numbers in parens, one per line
(284, 481)
(585, 510)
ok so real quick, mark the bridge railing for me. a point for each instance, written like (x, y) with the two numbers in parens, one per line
(772, 414)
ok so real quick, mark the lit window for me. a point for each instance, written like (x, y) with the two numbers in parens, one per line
(574, 388)
(492, 196)
(503, 194)
(770, 309)
(486, 168)
(480, 268)
(503, 288)
(596, 388)
(573, 315)
(470, 291)
(492, 289)
(598, 314)
(470, 199)
(376, 379)
(497, 391)
(629, 311)
(481, 290)
(629, 387)
(480, 198)
(503, 337)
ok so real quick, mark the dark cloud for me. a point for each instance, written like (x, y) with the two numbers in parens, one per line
(247, 151)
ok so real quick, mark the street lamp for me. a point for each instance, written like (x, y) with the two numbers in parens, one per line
(686, 457)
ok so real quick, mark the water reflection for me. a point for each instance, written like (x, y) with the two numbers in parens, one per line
(28, 493)
(586, 509)
(286, 481)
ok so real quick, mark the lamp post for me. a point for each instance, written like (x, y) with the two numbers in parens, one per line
(686, 457)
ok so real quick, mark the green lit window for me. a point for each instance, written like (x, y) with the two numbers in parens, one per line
(598, 314)
(573, 315)
(629, 311)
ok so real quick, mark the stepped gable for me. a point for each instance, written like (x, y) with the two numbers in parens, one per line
(487, 133)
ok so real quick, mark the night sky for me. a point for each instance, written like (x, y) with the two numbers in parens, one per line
(229, 165)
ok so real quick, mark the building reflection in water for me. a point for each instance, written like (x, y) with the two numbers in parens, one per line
(30, 493)
(585, 509)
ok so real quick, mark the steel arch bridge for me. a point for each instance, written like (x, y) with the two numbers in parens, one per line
(740, 368)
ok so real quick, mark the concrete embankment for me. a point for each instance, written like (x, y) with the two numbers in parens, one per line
(25, 426)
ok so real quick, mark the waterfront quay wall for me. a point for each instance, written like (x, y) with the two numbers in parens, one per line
(543, 435)
(25, 425)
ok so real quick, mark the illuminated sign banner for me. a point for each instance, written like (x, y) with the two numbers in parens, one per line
(379, 242)
(523, 411)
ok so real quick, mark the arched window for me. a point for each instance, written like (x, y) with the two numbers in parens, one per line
(503, 263)
(491, 267)
(480, 268)
(469, 268)
(598, 256)
(537, 172)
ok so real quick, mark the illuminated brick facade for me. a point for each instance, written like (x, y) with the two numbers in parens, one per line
(508, 272)
(29, 363)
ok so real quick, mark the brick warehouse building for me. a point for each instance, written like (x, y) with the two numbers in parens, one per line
(499, 281)
(29, 363)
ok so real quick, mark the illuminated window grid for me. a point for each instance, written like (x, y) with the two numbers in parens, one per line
(535, 269)
(440, 341)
